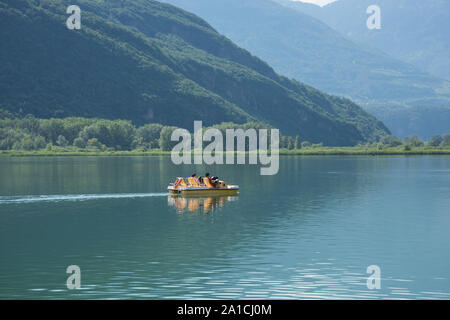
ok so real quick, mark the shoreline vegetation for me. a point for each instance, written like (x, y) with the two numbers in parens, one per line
(30, 136)
(308, 151)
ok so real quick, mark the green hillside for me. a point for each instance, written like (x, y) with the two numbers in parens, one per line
(151, 62)
(302, 47)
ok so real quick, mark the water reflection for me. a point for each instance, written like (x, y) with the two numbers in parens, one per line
(202, 204)
(308, 232)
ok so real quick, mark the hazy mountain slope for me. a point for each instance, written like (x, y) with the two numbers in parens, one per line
(306, 49)
(414, 31)
(147, 61)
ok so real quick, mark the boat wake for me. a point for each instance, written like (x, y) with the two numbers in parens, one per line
(75, 197)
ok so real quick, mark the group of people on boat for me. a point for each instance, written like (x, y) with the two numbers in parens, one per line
(195, 181)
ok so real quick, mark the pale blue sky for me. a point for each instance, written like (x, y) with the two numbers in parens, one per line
(319, 2)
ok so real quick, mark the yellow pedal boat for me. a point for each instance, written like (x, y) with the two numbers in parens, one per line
(190, 187)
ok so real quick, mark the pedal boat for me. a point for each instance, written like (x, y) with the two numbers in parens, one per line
(192, 188)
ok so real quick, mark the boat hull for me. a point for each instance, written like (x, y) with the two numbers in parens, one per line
(200, 192)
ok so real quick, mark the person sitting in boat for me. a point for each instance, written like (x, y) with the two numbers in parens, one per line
(215, 181)
(208, 181)
(208, 178)
(196, 178)
(177, 182)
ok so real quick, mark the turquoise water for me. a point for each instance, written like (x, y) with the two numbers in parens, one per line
(309, 232)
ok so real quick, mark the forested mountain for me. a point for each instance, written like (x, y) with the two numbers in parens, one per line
(414, 31)
(151, 62)
(302, 47)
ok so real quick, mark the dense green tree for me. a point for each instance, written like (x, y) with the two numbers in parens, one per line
(149, 135)
(118, 134)
(284, 141)
(391, 141)
(9, 137)
(96, 144)
(298, 143)
(51, 129)
(62, 141)
(435, 140)
(72, 127)
(79, 142)
(290, 143)
(413, 141)
(29, 124)
(445, 140)
(164, 140)
(29, 142)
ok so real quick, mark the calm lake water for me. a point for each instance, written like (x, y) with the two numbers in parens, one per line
(309, 232)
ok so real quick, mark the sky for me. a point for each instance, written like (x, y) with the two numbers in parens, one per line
(318, 2)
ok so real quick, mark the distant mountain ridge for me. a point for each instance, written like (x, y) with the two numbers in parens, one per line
(306, 49)
(151, 62)
(414, 31)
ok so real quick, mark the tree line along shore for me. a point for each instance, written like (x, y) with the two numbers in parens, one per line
(89, 136)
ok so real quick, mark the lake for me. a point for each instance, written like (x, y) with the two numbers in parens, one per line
(309, 232)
